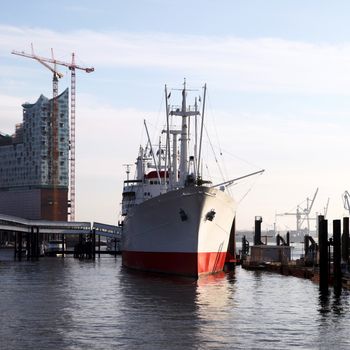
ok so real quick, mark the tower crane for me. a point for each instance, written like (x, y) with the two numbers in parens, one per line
(53, 141)
(56, 75)
(72, 66)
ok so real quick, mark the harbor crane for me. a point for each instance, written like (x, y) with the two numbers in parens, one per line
(307, 210)
(325, 209)
(72, 66)
(302, 214)
(346, 201)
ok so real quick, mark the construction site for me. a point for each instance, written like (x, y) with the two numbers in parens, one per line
(37, 173)
(37, 162)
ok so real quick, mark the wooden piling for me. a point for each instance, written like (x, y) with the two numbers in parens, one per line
(323, 251)
(20, 246)
(28, 245)
(37, 249)
(306, 245)
(15, 246)
(62, 240)
(257, 230)
(99, 246)
(32, 243)
(93, 244)
(337, 254)
(245, 246)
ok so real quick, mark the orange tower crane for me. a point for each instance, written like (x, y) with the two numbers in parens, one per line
(72, 66)
(53, 141)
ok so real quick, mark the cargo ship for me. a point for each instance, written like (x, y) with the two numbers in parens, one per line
(174, 221)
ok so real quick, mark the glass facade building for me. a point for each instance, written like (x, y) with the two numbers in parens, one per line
(27, 169)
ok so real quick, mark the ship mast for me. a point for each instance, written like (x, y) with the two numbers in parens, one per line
(201, 134)
(167, 153)
(184, 113)
(184, 139)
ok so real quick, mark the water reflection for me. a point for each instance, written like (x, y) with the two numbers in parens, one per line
(24, 299)
(163, 308)
(333, 301)
(156, 309)
(334, 319)
(70, 304)
(324, 308)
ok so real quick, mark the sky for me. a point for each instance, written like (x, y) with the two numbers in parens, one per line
(278, 77)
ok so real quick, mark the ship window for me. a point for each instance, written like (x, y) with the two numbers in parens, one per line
(151, 182)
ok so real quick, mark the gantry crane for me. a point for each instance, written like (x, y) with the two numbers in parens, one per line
(53, 140)
(72, 66)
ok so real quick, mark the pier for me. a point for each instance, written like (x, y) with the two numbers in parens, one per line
(28, 237)
(325, 262)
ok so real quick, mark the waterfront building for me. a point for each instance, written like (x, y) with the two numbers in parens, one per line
(33, 171)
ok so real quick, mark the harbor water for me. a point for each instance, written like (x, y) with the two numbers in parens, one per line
(58, 303)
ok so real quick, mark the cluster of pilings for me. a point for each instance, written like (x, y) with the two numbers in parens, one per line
(34, 244)
(86, 247)
(31, 249)
(280, 241)
(326, 261)
(329, 272)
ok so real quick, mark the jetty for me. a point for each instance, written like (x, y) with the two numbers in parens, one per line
(27, 237)
(325, 260)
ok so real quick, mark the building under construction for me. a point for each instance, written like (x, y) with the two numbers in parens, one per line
(34, 162)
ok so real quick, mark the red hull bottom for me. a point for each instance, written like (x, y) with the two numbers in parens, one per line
(185, 264)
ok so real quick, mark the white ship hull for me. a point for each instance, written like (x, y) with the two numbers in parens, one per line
(185, 232)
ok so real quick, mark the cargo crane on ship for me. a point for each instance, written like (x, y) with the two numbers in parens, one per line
(72, 66)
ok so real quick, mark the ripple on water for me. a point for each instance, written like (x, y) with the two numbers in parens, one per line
(70, 304)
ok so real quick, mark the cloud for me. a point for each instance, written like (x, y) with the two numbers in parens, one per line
(262, 64)
(10, 113)
(301, 149)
